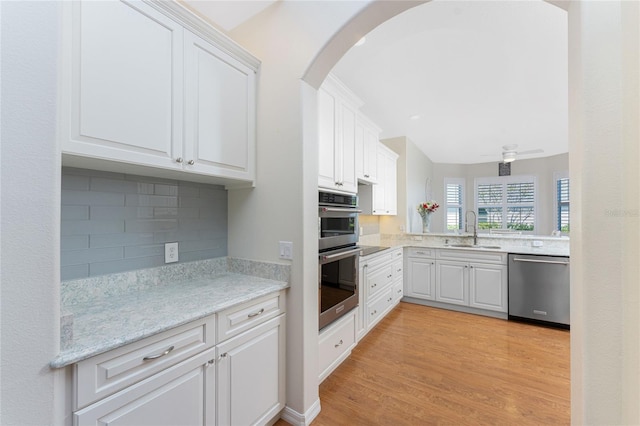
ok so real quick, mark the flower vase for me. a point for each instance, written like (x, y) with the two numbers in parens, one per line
(426, 222)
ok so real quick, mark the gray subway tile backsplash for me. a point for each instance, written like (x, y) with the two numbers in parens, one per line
(112, 222)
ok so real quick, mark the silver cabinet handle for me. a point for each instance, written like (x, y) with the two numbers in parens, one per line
(255, 314)
(390, 299)
(400, 270)
(339, 344)
(224, 355)
(191, 162)
(374, 312)
(389, 276)
(179, 160)
(399, 290)
(374, 285)
(160, 355)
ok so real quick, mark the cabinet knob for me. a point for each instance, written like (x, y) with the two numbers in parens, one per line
(366, 176)
(338, 344)
(390, 299)
(179, 160)
(389, 276)
(191, 162)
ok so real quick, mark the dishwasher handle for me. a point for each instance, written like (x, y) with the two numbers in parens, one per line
(553, 262)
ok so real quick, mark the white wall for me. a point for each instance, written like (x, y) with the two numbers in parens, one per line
(32, 394)
(542, 168)
(604, 146)
(414, 170)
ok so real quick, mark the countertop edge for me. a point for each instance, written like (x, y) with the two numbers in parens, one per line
(71, 356)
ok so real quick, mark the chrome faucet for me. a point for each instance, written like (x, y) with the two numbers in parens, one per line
(475, 226)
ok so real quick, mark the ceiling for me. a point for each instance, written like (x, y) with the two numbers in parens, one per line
(478, 74)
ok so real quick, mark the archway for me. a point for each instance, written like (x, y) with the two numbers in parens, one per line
(601, 391)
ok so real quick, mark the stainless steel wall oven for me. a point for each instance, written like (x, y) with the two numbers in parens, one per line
(338, 255)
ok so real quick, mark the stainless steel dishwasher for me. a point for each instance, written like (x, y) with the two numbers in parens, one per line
(539, 289)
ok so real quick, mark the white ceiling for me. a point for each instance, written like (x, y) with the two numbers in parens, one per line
(480, 74)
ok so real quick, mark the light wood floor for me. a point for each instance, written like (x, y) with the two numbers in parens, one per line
(423, 366)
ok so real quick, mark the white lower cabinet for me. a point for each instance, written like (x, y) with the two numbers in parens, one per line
(181, 377)
(183, 394)
(251, 375)
(476, 279)
(335, 343)
(382, 278)
(488, 287)
(452, 282)
(460, 279)
(421, 274)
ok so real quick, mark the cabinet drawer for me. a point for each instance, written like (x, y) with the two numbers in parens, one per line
(397, 269)
(179, 394)
(422, 252)
(234, 321)
(377, 308)
(335, 342)
(398, 291)
(107, 373)
(379, 259)
(378, 280)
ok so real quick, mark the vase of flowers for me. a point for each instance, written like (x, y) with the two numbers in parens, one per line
(425, 210)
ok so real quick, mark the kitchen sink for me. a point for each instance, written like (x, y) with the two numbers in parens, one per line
(472, 246)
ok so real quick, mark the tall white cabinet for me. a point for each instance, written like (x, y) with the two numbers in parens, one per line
(147, 84)
(337, 111)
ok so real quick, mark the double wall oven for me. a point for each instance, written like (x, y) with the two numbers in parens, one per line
(338, 255)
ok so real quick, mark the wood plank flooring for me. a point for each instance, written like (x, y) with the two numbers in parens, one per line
(424, 366)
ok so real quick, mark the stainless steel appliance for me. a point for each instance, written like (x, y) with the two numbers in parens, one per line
(338, 255)
(337, 220)
(539, 289)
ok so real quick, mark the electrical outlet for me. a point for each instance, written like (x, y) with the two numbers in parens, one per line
(536, 243)
(286, 250)
(170, 252)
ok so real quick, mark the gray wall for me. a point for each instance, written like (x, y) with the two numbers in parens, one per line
(542, 168)
(113, 222)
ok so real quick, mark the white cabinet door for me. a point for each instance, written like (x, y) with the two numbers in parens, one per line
(452, 283)
(122, 84)
(337, 143)
(219, 112)
(488, 287)
(326, 139)
(251, 371)
(422, 278)
(381, 198)
(348, 181)
(366, 150)
(183, 394)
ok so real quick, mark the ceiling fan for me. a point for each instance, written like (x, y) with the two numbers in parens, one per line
(509, 152)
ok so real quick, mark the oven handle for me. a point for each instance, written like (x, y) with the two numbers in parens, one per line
(329, 257)
(340, 210)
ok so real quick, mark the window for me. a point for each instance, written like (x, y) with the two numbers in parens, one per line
(454, 204)
(507, 202)
(562, 201)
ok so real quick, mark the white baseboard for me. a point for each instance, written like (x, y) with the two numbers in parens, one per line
(294, 418)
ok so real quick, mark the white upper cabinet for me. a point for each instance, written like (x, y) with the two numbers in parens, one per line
(220, 94)
(124, 83)
(337, 110)
(140, 88)
(367, 139)
(381, 199)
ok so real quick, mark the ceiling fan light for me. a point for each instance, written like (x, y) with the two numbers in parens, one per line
(508, 157)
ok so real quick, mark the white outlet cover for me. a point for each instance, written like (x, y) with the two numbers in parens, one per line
(170, 252)
(286, 250)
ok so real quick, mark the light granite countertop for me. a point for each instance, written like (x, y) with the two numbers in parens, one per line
(110, 322)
